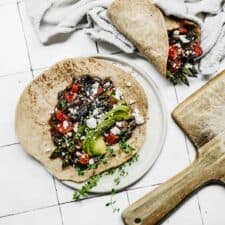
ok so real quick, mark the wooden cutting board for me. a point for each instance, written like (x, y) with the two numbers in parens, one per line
(202, 118)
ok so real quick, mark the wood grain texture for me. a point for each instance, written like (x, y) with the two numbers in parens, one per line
(202, 118)
(153, 207)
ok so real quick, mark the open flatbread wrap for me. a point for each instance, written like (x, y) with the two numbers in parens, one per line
(147, 28)
(39, 99)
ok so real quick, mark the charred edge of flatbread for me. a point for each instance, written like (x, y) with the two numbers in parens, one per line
(38, 100)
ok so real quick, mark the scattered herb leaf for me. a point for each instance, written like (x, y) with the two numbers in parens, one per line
(80, 171)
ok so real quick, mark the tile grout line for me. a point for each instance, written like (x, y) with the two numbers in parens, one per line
(128, 197)
(68, 202)
(14, 73)
(200, 210)
(26, 43)
(185, 138)
(7, 145)
(58, 203)
(189, 156)
(28, 211)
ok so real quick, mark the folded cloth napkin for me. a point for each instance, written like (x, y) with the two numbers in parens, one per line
(53, 18)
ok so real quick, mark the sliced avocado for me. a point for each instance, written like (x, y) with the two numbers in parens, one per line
(99, 147)
(118, 113)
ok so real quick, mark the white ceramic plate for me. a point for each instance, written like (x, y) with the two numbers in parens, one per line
(156, 132)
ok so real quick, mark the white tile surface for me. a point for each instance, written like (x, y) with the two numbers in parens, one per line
(13, 54)
(43, 56)
(10, 89)
(65, 194)
(25, 184)
(44, 216)
(187, 214)
(3, 2)
(94, 211)
(212, 202)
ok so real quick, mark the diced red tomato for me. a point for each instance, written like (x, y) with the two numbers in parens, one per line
(61, 116)
(100, 90)
(175, 65)
(84, 159)
(111, 139)
(68, 129)
(59, 128)
(196, 48)
(183, 30)
(74, 88)
(69, 97)
(175, 52)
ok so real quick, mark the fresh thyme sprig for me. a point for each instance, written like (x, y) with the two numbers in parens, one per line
(112, 202)
(93, 181)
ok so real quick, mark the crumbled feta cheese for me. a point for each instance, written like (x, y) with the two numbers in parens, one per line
(75, 128)
(115, 130)
(94, 89)
(82, 138)
(178, 45)
(69, 134)
(100, 117)
(88, 93)
(131, 101)
(95, 112)
(184, 39)
(72, 111)
(188, 65)
(107, 84)
(138, 118)
(176, 32)
(65, 124)
(91, 122)
(118, 94)
(78, 154)
(119, 124)
(128, 84)
(91, 161)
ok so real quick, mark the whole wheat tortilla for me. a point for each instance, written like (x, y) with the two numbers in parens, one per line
(147, 28)
(39, 99)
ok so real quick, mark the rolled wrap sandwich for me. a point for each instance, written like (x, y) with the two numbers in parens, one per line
(171, 44)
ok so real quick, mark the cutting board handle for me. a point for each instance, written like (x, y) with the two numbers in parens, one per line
(153, 207)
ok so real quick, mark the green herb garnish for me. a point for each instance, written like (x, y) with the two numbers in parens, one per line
(63, 103)
(93, 181)
(83, 192)
(125, 147)
(112, 202)
(80, 171)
